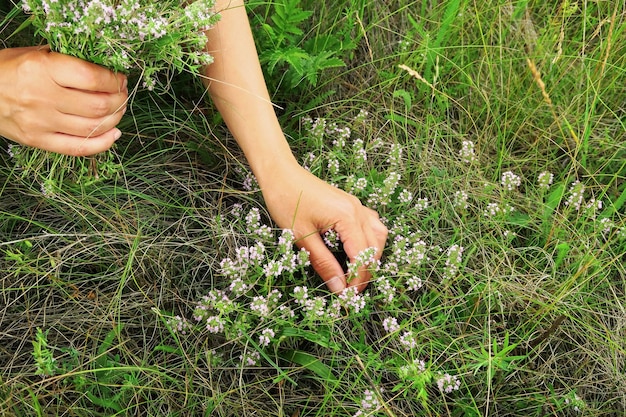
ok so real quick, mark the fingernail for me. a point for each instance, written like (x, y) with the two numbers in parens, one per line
(336, 284)
(117, 134)
(124, 84)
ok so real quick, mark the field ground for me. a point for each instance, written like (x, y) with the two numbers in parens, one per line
(494, 134)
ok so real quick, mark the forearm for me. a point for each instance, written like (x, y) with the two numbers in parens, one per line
(237, 87)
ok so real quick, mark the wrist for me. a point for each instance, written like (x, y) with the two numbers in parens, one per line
(273, 164)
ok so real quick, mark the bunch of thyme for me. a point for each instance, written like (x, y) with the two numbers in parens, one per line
(131, 36)
(140, 38)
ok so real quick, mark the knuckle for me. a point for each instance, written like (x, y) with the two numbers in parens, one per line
(80, 150)
(31, 64)
(99, 107)
(76, 151)
(27, 139)
(89, 78)
(380, 229)
(319, 262)
(116, 118)
(350, 205)
(322, 265)
(93, 128)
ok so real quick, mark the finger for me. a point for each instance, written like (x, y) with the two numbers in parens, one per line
(84, 127)
(376, 232)
(324, 263)
(357, 237)
(352, 237)
(376, 236)
(91, 105)
(76, 73)
(78, 146)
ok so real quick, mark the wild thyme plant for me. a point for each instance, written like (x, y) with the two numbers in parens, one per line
(139, 38)
(268, 302)
(44, 360)
(266, 298)
(415, 268)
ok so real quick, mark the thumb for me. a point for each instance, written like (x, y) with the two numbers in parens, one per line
(324, 262)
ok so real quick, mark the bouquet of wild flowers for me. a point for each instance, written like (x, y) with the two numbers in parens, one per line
(127, 35)
(137, 37)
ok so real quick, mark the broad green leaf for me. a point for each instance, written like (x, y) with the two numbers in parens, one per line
(309, 362)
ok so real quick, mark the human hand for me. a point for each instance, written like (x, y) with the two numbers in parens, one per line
(59, 103)
(300, 201)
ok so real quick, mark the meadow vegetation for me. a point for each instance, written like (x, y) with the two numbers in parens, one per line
(489, 136)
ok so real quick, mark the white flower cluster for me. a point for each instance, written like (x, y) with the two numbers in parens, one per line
(574, 401)
(448, 383)
(316, 129)
(352, 300)
(128, 35)
(365, 258)
(179, 325)
(340, 135)
(390, 324)
(405, 196)
(408, 340)
(386, 289)
(250, 182)
(250, 358)
(411, 369)
(356, 185)
(467, 152)
(333, 166)
(545, 179)
(263, 306)
(460, 200)
(332, 239)
(453, 261)
(495, 210)
(395, 155)
(510, 181)
(255, 227)
(381, 196)
(421, 204)
(246, 257)
(576, 195)
(360, 155)
(407, 252)
(314, 309)
(369, 404)
(266, 337)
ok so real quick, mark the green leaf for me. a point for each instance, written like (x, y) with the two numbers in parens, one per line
(518, 219)
(108, 403)
(321, 337)
(317, 63)
(288, 16)
(309, 362)
(14, 12)
(293, 56)
(554, 199)
(406, 96)
(402, 119)
(167, 349)
(562, 249)
(102, 360)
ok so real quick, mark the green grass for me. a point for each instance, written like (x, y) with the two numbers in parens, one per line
(534, 319)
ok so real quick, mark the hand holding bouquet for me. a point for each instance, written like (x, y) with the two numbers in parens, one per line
(141, 36)
(136, 37)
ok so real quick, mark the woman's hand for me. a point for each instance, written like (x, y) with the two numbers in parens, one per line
(296, 199)
(59, 103)
(300, 201)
